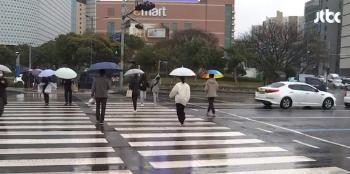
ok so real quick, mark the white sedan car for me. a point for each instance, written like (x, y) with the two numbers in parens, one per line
(347, 97)
(288, 94)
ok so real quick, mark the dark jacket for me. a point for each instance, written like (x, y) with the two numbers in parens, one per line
(67, 83)
(3, 86)
(100, 87)
(134, 85)
(144, 85)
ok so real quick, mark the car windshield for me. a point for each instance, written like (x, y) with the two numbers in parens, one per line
(276, 85)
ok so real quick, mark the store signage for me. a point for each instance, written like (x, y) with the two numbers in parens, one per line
(156, 12)
(327, 16)
(156, 33)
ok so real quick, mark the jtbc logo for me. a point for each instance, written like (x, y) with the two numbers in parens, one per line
(324, 16)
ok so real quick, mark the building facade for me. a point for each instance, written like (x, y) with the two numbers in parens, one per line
(327, 32)
(33, 22)
(345, 40)
(91, 15)
(212, 16)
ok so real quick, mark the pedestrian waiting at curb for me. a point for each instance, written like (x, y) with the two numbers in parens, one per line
(182, 93)
(134, 86)
(3, 95)
(211, 88)
(143, 89)
(67, 83)
(155, 88)
(99, 91)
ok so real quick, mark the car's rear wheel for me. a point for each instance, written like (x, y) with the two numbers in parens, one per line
(328, 103)
(347, 105)
(286, 103)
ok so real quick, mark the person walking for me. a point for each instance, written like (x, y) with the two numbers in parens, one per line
(182, 93)
(67, 83)
(211, 88)
(99, 91)
(134, 86)
(143, 89)
(45, 84)
(3, 95)
(155, 88)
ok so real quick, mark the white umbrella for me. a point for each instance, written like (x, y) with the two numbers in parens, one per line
(133, 71)
(47, 73)
(182, 72)
(5, 69)
(36, 72)
(65, 73)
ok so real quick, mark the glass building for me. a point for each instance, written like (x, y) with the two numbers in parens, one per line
(33, 22)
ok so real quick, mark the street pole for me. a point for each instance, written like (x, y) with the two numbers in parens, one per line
(122, 45)
(30, 56)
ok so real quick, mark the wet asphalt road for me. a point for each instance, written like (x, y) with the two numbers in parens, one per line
(296, 140)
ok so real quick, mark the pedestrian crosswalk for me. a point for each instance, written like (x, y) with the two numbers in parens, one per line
(203, 146)
(55, 139)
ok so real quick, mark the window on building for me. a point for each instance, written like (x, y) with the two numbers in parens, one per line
(174, 26)
(187, 25)
(110, 12)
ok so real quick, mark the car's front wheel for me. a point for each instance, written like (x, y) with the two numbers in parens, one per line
(328, 103)
(286, 103)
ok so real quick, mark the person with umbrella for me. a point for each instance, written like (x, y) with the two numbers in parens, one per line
(211, 88)
(3, 96)
(143, 88)
(46, 84)
(182, 92)
(134, 86)
(67, 75)
(99, 91)
(155, 88)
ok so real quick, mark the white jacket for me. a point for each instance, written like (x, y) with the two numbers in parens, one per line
(181, 92)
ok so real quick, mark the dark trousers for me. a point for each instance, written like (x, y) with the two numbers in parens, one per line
(46, 98)
(68, 95)
(134, 97)
(180, 109)
(2, 105)
(101, 109)
(211, 104)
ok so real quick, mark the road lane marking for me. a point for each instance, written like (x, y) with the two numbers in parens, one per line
(211, 151)
(322, 130)
(195, 110)
(55, 150)
(49, 127)
(87, 172)
(264, 130)
(54, 141)
(45, 122)
(172, 135)
(299, 117)
(168, 128)
(50, 133)
(60, 162)
(158, 123)
(195, 142)
(42, 113)
(286, 129)
(305, 144)
(151, 119)
(144, 116)
(41, 108)
(43, 118)
(230, 162)
(320, 170)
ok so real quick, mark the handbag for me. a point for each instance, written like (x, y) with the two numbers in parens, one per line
(92, 101)
(75, 88)
(128, 93)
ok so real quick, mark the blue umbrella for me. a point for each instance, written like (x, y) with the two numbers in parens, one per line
(47, 73)
(110, 67)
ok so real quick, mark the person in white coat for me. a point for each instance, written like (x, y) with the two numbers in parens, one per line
(182, 93)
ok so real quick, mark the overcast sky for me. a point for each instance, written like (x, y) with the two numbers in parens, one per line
(253, 12)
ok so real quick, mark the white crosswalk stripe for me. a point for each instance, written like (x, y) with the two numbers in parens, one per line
(200, 144)
(40, 139)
